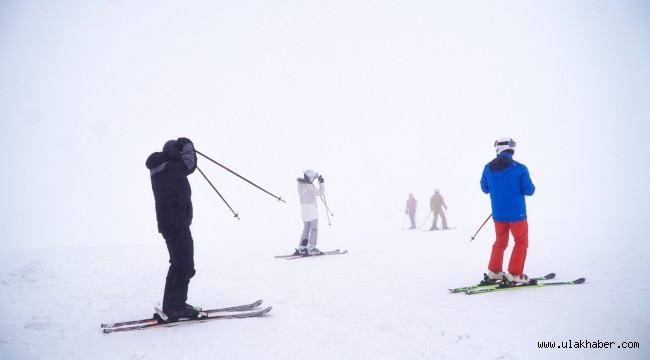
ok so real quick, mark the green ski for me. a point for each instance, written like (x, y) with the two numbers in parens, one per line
(503, 287)
(489, 283)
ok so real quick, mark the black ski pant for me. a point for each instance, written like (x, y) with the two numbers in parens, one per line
(181, 269)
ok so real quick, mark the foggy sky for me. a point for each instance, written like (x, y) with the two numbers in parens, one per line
(382, 98)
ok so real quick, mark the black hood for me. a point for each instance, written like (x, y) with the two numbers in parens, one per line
(501, 162)
(156, 159)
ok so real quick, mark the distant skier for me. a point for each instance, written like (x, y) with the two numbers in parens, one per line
(437, 203)
(411, 207)
(309, 211)
(508, 181)
(171, 189)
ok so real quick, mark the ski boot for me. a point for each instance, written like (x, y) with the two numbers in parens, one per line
(301, 250)
(492, 277)
(174, 315)
(313, 250)
(518, 279)
(197, 308)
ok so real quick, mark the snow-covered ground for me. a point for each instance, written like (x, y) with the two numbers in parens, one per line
(386, 299)
(383, 98)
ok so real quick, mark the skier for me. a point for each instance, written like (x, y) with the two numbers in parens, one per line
(169, 170)
(508, 181)
(411, 206)
(309, 211)
(437, 203)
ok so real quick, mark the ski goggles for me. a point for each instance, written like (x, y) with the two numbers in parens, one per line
(511, 143)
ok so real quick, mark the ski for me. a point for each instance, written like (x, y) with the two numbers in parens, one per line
(488, 282)
(145, 326)
(449, 228)
(298, 255)
(245, 307)
(502, 287)
(324, 253)
(291, 255)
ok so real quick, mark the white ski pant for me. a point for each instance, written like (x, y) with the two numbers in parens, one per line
(309, 233)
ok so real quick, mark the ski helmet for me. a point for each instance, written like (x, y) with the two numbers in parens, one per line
(504, 143)
(310, 175)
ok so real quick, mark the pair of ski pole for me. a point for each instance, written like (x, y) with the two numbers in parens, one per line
(329, 212)
(241, 177)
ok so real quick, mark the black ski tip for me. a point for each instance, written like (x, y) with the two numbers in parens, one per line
(549, 276)
(579, 281)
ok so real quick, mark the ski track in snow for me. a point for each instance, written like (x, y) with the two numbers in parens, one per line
(379, 301)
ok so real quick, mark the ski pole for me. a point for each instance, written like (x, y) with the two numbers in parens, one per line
(215, 189)
(425, 220)
(479, 229)
(322, 198)
(241, 177)
(327, 209)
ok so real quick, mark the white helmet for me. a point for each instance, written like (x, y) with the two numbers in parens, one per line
(504, 143)
(310, 174)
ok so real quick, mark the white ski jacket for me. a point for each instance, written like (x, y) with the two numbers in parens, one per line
(308, 194)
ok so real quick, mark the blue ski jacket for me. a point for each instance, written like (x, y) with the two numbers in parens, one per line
(507, 181)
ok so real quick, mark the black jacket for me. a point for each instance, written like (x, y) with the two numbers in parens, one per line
(171, 189)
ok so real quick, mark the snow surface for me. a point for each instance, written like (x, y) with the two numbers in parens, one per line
(386, 299)
(384, 98)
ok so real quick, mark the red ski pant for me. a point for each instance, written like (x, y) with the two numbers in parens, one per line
(519, 231)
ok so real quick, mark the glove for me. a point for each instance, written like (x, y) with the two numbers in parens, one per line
(320, 179)
(181, 142)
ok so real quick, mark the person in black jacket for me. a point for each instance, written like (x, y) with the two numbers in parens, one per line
(171, 189)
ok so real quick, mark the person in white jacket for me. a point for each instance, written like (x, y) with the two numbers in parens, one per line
(309, 210)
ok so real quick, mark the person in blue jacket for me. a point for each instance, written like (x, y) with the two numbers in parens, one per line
(508, 182)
